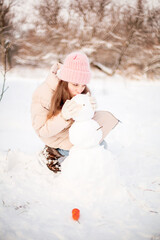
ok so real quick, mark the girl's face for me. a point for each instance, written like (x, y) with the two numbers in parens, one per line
(75, 88)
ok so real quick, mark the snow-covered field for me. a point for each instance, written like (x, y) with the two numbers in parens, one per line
(36, 204)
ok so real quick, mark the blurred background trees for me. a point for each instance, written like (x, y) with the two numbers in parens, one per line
(121, 39)
(7, 40)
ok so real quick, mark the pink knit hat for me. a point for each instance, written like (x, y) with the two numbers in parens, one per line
(76, 69)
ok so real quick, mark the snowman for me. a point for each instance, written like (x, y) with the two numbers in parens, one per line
(88, 163)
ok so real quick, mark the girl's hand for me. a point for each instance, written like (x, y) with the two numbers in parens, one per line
(70, 109)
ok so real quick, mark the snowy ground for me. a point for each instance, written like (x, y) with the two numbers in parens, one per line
(34, 204)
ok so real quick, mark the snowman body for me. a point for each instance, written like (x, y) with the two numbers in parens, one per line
(85, 134)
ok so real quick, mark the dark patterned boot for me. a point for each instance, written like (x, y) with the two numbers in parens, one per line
(52, 156)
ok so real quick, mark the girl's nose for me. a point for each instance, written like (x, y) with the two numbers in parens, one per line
(80, 89)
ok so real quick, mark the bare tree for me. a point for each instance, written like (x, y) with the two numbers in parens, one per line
(6, 32)
(133, 20)
(152, 65)
(44, 41)
(90, 15)
(134, 41)
(118, 38)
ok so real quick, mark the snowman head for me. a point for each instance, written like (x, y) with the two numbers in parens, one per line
(86, 112)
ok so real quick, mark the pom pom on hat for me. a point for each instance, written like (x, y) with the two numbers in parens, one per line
(76, 69)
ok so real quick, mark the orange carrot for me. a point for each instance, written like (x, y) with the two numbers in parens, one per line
(75, 214)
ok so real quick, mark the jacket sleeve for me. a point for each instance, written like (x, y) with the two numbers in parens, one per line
(53, 126)
(43, 127)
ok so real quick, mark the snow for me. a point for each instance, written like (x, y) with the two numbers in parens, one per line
(35, 203)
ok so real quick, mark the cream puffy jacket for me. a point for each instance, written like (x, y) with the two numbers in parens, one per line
(54, 132)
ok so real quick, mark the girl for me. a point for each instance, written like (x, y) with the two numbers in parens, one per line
(52, 111)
